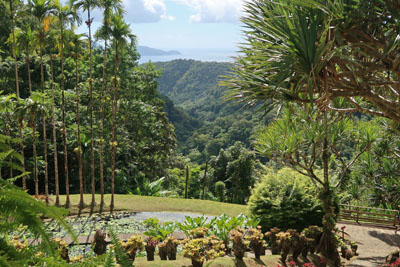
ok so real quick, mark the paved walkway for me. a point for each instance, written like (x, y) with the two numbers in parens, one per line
(374, 244)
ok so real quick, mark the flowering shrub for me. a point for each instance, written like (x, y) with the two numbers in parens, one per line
(394, 264)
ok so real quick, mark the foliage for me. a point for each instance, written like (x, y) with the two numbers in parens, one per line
(220, 190)
(234, 167)
(200, 249)
(192, 223)
(316, 52)
(285, 199)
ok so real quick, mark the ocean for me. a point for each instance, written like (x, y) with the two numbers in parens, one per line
(196, 54)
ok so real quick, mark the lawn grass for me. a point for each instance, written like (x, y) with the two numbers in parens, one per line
(219, 262)
(145, 203)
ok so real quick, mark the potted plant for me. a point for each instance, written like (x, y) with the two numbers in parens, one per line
(134, 244)
(162, 251)
(354, 247)
(273, 240)
(257, 243)
(201, 249)
(150, 247)
(171, 245)
(99, 243)
(240, 245)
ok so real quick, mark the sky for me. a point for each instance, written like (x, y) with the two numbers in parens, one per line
(183, 24)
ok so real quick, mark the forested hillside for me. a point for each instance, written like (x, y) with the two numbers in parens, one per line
(204, 121)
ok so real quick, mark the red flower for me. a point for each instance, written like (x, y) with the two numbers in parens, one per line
(343, 227)
(292, 263)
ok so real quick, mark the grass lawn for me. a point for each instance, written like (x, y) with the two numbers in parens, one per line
(145, 203)
(219, 262)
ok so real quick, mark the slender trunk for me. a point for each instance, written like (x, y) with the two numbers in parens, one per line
(328, 243)
(46, 174)
(21, 145)
(114, 115)
(14, 52)
(53, 120)
(78, 121)
(91, 110)
(35, 163)
(10, 160)
(102, 127)
(204, 180)
(64, 132)
(28, 66)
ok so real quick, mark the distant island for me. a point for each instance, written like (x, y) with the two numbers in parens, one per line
(149, 51)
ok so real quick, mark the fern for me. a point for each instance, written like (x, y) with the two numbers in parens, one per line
(120, 254)
(109, 260)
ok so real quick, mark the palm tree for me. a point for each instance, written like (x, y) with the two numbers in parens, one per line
(119, 31)
(88, 5)
(109, 7)
(41, 9)
(12, 13)
(77, 42)
(25, 45)
(65, 16)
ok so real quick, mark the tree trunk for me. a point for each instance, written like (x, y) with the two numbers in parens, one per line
(21, 144)
(64, 131)
(35, 169)
(46, 174)
(102, 128)
(78, 121)
(91, 111)
(14, 52)
(328, 244)
(53, 120)
(114, 115)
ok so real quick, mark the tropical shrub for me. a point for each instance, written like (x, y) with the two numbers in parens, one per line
(285, 199)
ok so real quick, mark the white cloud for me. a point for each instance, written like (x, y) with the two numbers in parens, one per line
(145, 11)
(214, 10)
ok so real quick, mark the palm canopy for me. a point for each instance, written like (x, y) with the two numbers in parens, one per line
(120, 31)
(314, 51)
(85, 5)
(66, 15)
(110, 8)
(41, 9)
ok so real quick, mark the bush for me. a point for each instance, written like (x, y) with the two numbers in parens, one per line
(285, 199)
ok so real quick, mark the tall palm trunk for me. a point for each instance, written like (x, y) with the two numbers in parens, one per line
(64, 132)
(20, 125)
(35, 162)
(102, 127)
(21, 145)
(114, 115)
(35, 173)
(46, 174)
(78, 122)
(53, 120)
(14, 52)
(89, 22)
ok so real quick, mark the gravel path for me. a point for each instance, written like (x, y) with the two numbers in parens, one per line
(374, 244)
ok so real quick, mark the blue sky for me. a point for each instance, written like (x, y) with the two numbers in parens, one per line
(183, 24)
